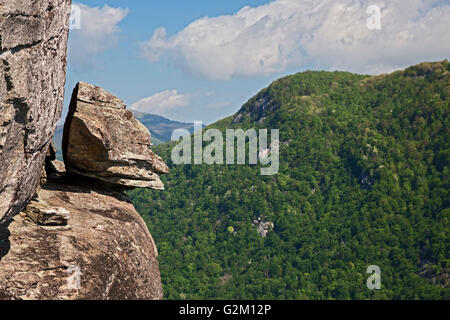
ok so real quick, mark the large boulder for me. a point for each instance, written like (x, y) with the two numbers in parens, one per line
(104, 141)
(33, 45)
(74, 238)
(78, 242)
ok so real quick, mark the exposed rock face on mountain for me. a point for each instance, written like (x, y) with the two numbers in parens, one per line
(257, 108)
(264, 227)
(77, 242)
(104, 141)
(33, 42)
(77, 239)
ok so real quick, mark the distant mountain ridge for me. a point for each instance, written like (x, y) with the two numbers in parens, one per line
(161, 128)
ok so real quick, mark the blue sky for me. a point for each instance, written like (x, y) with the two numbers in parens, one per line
(123, 71)
(199, 68)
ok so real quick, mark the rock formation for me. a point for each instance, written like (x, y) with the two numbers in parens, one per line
(76, 242)
(77, 236)
(103, 140)
(264, 227)
(33, 42)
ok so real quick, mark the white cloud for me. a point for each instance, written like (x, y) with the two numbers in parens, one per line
(162, 103)
(98, 31)
(331, 34)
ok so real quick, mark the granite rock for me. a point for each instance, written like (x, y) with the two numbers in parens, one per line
(104, 141)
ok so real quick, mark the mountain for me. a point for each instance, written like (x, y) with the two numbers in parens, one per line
(363, 181)
(160, 128)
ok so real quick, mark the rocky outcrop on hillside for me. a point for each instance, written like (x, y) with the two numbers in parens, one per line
(103, 140)
(33, 41)
(257, 108)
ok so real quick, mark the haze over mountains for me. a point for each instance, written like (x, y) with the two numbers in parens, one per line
(160, 127)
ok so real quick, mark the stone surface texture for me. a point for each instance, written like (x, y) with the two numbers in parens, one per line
(33, 46)
(67, 234)
(104, 141)
(91, 244)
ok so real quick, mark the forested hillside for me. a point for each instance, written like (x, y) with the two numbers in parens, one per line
(363, 180)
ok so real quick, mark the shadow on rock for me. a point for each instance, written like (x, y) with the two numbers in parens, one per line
(5, 244)
(80, 184)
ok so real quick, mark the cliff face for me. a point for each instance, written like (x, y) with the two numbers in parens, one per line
(76, 235)
(33, 42)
